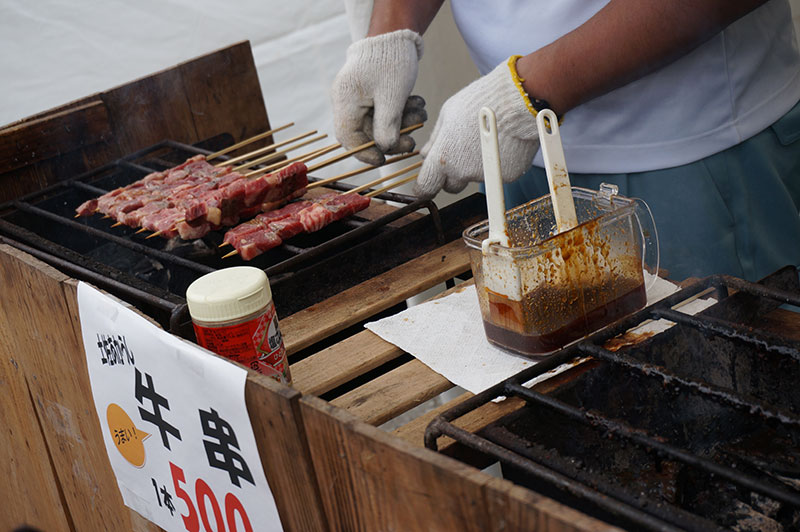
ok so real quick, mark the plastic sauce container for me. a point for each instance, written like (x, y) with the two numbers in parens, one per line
(233, 315)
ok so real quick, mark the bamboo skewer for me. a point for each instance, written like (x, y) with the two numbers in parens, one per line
(302, 158)
(357, 149)
(116, 224)
(392, 185)
(383, 179)
(265, 149)
(278, 153)
(361, 170)
(154, 234)
(248, 141)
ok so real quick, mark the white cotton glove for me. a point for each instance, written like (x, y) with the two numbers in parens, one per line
(453, 152)
(371, 94)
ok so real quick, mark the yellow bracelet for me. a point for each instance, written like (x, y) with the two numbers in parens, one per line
(512, 66)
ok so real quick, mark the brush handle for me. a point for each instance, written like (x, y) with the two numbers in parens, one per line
(495, 199)
(556, 167)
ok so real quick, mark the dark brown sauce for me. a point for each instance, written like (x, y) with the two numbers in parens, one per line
(593, 320)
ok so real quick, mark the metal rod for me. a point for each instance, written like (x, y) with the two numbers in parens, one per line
(140, 248)
(760, 340)
(623, 430)
(552, 477)
(701, 387)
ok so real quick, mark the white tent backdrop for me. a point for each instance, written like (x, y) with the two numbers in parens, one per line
(56, 51)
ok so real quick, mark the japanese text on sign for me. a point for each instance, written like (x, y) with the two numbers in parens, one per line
(174, 424)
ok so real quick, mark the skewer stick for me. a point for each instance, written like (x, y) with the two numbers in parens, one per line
(277, 154)
(248, 141)
(154, 234)
(302, 158)
(142, 230)
(357, 171)
(265, 149)
(105, 217)
(231, 254)
(392, 185)
(357, 149)
(116, 224)
(385, 178)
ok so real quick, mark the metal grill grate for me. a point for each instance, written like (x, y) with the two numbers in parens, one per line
(154, 274)
(711, 403)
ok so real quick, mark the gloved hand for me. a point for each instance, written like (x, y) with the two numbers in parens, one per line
(453, 152)
(371, 94)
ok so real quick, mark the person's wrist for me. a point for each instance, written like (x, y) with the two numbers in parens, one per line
(537, 85)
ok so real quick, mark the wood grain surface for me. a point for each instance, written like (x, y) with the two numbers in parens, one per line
(44, 320)
(218, 93)
(375, 481)
(335, 314)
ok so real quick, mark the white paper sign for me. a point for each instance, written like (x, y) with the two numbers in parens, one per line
(174, 424)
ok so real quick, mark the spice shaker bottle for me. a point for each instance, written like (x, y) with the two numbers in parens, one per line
(234, 316)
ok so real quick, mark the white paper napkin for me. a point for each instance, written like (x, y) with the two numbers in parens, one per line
(447, 335)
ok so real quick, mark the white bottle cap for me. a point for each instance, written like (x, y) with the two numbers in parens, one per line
(228, 294)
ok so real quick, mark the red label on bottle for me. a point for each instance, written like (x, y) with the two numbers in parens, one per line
(256, 343)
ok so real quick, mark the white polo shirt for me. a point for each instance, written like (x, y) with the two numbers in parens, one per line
(725, 91)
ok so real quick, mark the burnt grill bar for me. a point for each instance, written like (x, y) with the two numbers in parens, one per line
(130, 244)
(728, 320)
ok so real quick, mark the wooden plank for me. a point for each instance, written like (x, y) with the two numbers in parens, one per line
(40, 311)
(275, 416)
(224, 95)
(342, 362)
(55, 134)
(319, 321)
(391, 394)
(414, 431)
(518, 508)
(375, 481)
(205, 97)
(30, 490)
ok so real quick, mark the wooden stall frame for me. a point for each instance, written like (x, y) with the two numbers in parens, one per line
(65, 480)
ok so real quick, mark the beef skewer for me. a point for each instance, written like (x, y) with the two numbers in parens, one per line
(195, 197)
(361, 170)
(269, 230)
(159, 184)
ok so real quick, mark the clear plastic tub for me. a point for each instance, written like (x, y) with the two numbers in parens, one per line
(573, 283)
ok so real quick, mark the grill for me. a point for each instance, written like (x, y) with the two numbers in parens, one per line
(695, 428)
(153, 274)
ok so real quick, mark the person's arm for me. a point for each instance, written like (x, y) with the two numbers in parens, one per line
(391, 15)
(622, 42)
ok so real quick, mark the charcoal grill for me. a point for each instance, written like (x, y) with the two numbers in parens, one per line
(153, 274)
(695, 428)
